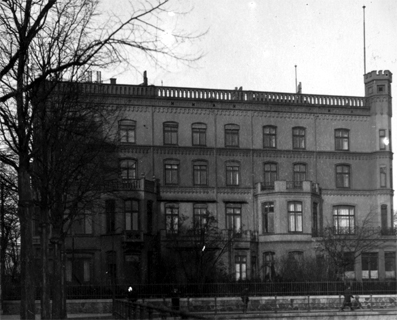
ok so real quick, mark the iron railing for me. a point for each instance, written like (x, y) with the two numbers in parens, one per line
(105, 291)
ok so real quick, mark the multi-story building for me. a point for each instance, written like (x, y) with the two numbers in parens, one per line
(276, 167)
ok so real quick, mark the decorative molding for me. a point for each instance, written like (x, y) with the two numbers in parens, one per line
(230, 191)
(186, 190)
(184, 151)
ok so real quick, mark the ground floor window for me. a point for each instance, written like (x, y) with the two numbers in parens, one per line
(78, 270)
(369, 265)
(241, 267)
(390, 265)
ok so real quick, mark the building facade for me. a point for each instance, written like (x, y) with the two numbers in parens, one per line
(275, 167)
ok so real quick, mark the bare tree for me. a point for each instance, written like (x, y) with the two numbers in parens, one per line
(344, 245)
(60, 39)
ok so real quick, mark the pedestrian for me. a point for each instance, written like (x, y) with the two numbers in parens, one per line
(132, 294)
(347, 302)
(245, 299)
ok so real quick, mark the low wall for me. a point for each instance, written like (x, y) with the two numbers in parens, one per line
(228, 304)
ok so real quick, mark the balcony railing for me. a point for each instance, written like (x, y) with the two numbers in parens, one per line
(131, 185)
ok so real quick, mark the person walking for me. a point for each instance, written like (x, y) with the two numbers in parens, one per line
(347, 301)
(245, 299)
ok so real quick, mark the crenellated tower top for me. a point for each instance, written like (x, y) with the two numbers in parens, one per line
(378, 83)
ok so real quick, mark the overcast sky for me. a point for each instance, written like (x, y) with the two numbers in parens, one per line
(256, 45)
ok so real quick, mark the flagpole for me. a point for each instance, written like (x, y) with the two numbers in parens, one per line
(365, 67)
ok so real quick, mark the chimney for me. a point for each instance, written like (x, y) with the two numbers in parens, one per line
(145, 78)
(113, 80)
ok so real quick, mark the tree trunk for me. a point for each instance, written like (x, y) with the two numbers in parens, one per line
(25, 212)
(45, 285)
(58, 296)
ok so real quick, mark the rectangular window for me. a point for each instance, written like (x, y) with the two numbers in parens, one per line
(199, 133)
(269, 137)
(131, 211)
(390, 265)
(128, 170)
(127, 131)
(383, 177)
(78, 270)
(111, 261)
(315, 220)
(110, 208)
(383, 217)
(171, 174)
(343, 176)
(295, 216)
(268, 262)
(199, 174)
(233, 217)
(232, 135)
(200, 216)
(382, 139)
(299, 138)
(232, 175)
(268, 217)
(149, 213)
(171, 218)
(343, 219)
(369, 265)
(341, 140)
(349, 262)
(241, 268)
(170, 132)
(299, 175)
(270, 170)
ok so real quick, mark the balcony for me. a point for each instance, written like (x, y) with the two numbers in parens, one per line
(131, 185)
(288, 186)
(133, 236)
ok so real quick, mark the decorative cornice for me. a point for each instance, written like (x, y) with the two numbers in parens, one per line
(184, 151)
(231, 191)
(186, 190)
(355, 193)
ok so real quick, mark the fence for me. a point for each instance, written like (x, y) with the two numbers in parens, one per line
(106, 291)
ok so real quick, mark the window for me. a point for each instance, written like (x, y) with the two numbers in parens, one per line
(341, 139)
(315, 220)
(78, 270)
(270, 170)
(382, 174)
(343, 219)
(199, 133)
(299, 174)
(131, 211)
(383, 216)
(82, 224)
(381, 88)
(295, 216)
(111, 260)
(268, 263)
(110, 208)
(200, 173)
(369, 265)
(200, 216)
(149, 214)
(232, 135)
(270, 137)
(171, 172)
(171, 218)
(349, 262)
(383, 140)
(233, 217)
(241, 267)
(127, 131)
(170, 133)
(343, 176)
(232, 173)
(268, 217)
(390, 265)
(298, 138)
(128, 170)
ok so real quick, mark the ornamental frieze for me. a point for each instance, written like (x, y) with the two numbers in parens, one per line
(186, 190)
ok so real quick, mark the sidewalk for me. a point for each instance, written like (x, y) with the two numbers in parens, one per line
(80, 316)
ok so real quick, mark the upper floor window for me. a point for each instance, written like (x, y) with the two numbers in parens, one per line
(233, 216)
(299, 174)
(315, 219)
(383, 177)
(131, 211)
(127, 131)
(110, 208)
(200, 173)
(232, 132)
(383, 139)
(200, 216)
(171, 172)
(270, 137)
(298, 138)
(171, 218)
(341, 139)
(268, 217)
(82, 224)
(128, 169)
(295, 215)
(343, 219)
(170, 133)
(270, 171)
(199, 134)
(343, 176)
(383, 216)
(232, 173)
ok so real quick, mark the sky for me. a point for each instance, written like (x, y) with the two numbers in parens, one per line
(256, 45)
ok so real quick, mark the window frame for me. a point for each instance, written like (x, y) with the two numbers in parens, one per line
(171, 172)
(341, 177)
(339, 219)
(295, 217)
(269, 271)
(232, 135)
(131, 215)
(240, 265)
(171, 213)
(127, 126)
(340, 139)
(170, 133)
(200, 173)
(299, 176)
(370, 260)
(200, 216)
(199, 134)
(233, 213)
(129, 171)
(268, 175)
(232, 169)
(268, 216)
(299, 138)
(270, 137)
(383, 177)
